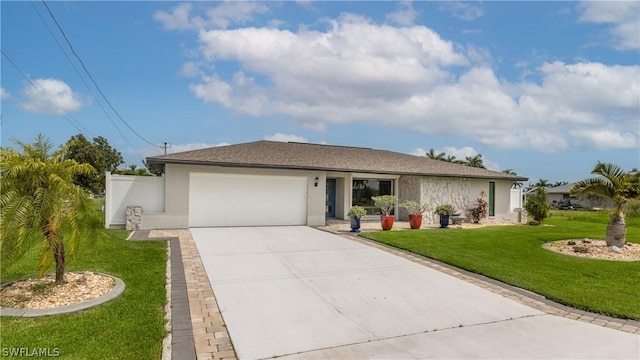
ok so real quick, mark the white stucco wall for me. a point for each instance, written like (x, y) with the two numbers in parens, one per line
(177, 189)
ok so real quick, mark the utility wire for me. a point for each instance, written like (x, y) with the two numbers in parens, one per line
(44, 91)
(92, 79)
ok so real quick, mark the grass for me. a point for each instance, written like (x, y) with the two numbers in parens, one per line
(514, 255)
(130, 327)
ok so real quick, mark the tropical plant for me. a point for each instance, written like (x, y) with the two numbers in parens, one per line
(432, 154)
(356, 212)
(618, 186)
(415, 207)
(386, 203)
(480, 209)
(41, 205)
(445, 210)
(514, 184)
(538, 204)
(475, 161)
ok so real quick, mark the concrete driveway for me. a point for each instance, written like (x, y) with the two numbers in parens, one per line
(300, 293)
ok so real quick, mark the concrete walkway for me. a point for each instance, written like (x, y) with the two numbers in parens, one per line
(297, 292)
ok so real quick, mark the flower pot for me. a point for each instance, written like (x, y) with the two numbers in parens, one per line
(386, 221)
(444, 221)
(415, 221)
(355, 225)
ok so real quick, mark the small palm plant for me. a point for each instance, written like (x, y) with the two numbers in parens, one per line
(618, 186)
(40, 205)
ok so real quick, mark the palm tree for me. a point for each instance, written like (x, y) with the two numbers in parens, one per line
(475, 161)
(452, 159)
(515, 184)
(40, 205)
(542, 183)
(616, 185)
(431, 154)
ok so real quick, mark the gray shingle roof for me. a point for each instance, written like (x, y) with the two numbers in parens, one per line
(291, 155)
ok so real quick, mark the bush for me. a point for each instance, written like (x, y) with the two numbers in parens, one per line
(633, 209)
(386, 203)
(480, 210)
(537, 204)
(356, 212)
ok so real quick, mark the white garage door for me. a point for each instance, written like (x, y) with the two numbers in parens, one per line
(247, 200)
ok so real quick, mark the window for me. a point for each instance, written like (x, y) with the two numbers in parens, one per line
(492, 198)
(364, 189)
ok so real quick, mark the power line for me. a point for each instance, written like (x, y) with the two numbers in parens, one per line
(92, 79)
(44, 91)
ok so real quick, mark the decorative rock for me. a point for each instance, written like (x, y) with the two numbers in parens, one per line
(586, 241)
(533, 222)
(616, 249)
(581, 249)
(571, 242)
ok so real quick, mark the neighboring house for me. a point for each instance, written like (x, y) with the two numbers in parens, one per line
(277, 183)
(559, 196)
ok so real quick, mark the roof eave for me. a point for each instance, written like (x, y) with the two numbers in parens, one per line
(152, 161)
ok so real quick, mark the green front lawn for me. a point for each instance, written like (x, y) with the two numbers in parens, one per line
(514, 255)
(130, 327)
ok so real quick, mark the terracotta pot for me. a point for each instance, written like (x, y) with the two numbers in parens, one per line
(415, 221)
(386, 221)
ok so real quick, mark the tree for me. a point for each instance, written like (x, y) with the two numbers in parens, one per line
(619, 187)
(41, 205)
(475, 161)
(542, 183)
(559, 183)
(431, 154)
(452, 159)
(515, 184)
(538, 204)
(99, 154)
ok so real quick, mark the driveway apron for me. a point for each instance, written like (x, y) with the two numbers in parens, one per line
(298, 292)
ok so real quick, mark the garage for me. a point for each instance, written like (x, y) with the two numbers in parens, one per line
(246, 200)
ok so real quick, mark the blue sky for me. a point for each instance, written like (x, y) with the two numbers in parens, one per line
(544, 88)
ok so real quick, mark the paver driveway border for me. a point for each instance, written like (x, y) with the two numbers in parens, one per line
(212, 338)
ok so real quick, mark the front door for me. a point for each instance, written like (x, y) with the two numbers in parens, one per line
(330, 205)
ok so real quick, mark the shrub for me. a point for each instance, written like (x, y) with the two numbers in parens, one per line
(633, 208)
(356, 212)
(537, 204)
(445, 209)
(414, 207)
(385, 203)
(481, 208)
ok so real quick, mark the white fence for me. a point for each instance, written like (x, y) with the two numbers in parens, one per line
(128, 190)
(516, 199)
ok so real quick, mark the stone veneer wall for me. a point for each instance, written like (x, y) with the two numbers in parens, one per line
(435, 191)
(133, 217)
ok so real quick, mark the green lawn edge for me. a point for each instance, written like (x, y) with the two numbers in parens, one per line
(515, 255)
(129, 327)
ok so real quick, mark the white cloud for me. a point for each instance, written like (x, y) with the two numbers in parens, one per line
(286, 138)
(220, 16)
(418, 152)
(4, 94)
(622, 16)
(50, 96)
(607, 139)
(357, 71)
(406, 15)
(463, 10)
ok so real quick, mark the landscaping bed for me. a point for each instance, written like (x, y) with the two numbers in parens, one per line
(129, 327)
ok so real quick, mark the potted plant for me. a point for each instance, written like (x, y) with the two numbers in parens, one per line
(386, 203)
(415, 210)
(355, 213)
(445, 211)
(480, 210)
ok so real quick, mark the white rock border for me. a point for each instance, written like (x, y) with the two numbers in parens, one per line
(117, 290)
